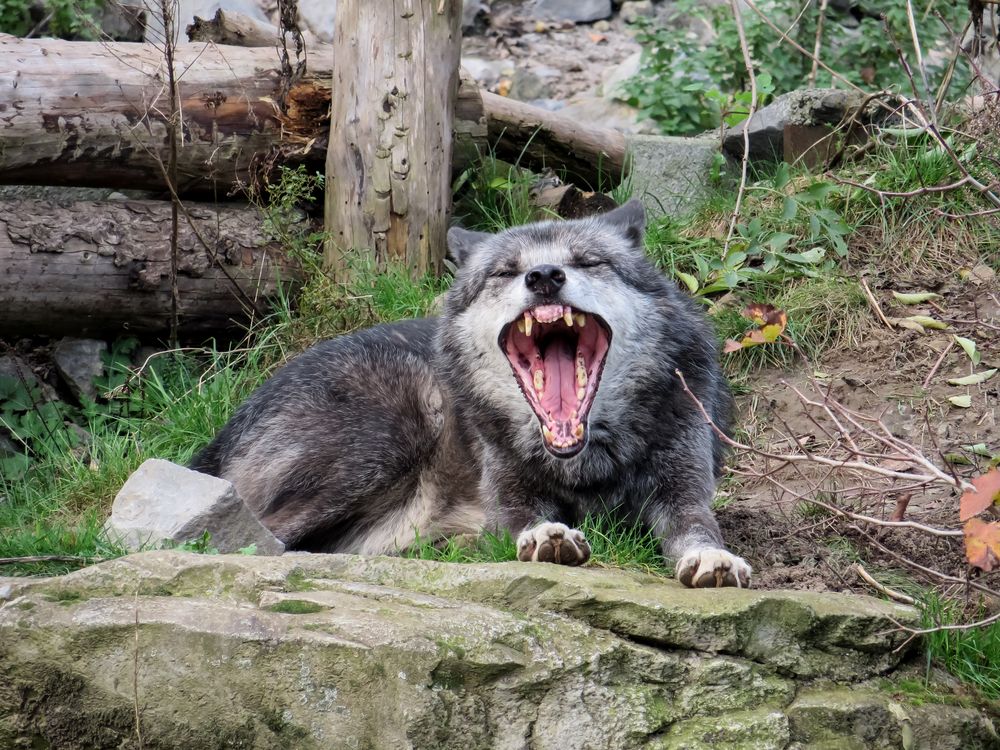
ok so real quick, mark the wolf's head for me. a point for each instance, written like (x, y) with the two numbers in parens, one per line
(545, 318)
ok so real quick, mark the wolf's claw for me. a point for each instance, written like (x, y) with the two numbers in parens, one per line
(554, 543)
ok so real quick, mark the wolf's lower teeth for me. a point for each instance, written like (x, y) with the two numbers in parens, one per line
(520, 325)
(580, 393)
(581, 376)
(527, 323)
(578, 431)
(547, 433)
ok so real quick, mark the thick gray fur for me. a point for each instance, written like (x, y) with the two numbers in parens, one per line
(420, 426)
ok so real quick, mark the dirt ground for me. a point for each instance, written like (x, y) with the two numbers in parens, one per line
(889, 374)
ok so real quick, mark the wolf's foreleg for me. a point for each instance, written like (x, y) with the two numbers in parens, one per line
(679, 513)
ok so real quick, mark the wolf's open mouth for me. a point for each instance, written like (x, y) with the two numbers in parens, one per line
(557, 354)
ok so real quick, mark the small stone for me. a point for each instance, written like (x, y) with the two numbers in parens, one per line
(601, 26)
(577, 11)
(79, 362)
(528, 85)
(164, 502)
(635, 9)
(17, 369)
(613, 80)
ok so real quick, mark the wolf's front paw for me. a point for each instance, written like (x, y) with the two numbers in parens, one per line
(708, 567)
(554, 543)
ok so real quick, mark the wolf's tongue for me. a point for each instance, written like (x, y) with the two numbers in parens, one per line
(559, 397)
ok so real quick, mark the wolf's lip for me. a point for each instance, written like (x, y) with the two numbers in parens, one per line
(557, 354)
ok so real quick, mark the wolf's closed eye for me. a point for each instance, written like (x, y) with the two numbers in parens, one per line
(589, 262)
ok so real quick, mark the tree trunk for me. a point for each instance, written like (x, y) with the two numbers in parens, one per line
(388, 165)
(94, 114)
(104, 267)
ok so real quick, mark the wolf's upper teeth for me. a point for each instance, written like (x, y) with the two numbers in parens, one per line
(580, 393)
(578, 431)
(539, 381)
(568, 317)
(528, 320)
(520, 325)
(581, 376)
(581, 319)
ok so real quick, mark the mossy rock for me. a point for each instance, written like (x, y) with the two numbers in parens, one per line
(340, 651)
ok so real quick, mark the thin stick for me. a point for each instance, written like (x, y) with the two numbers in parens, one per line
(896, 596)
(818, 44)
(937, 364)
(967, 626)
(738, 18)
(874, 303)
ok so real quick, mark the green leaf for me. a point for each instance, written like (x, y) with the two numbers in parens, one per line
(779, 241)
(969, 346)
(689, 281)
(974, 379)
(962, 402)
(789, 208)
(914, 298)
(925, 321)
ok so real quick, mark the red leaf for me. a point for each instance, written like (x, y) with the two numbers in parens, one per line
(731, 345)
(987, 493)
(982, 544)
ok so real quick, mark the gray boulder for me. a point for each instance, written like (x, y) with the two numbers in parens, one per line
(577, 11)
(805, 108)
(673, 175)
(79, 362)
(163, 502)
(335, 651)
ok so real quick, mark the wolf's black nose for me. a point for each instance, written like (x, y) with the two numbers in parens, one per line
(545, 280)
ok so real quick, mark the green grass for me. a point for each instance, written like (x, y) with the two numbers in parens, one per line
(170, 409)
(971, 655)
(613, 543)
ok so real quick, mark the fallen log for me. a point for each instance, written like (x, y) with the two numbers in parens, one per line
(94, 114)
(104, 267)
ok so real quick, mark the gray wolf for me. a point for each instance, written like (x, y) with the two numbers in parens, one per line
(546, 390)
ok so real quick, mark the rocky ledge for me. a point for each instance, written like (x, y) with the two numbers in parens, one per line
(337, 651)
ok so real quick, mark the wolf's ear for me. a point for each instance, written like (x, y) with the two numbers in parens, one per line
(630, 219)
(462, 244)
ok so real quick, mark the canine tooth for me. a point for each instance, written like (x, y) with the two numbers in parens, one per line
(581, 319)
(578, 431)
(520, 325)
(527, 323)
(539, 381)
(580, 393)
(568, 317)
(548, 434)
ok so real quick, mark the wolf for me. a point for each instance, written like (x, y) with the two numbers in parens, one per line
(547, 389)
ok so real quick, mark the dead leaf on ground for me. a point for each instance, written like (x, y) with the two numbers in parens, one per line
(982, 544)
(771, 323)
(987, 493)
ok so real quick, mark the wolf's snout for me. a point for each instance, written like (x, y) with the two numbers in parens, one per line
(545, 280)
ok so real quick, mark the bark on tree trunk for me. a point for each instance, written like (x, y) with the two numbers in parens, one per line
(94, 114)
(388, 165)
(104, 267)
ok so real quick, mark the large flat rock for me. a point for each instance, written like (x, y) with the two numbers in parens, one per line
(332, 651)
